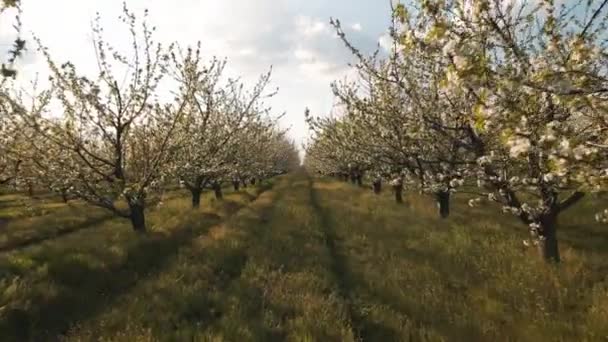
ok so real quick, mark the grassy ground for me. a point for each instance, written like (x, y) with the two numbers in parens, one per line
(264, 275)
(83, 260)
(414, 277)
(307, 260)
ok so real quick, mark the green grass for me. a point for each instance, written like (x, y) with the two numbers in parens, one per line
(307, 260)
(26, 221)
(264, 275)
(47, 287)
(413, 276)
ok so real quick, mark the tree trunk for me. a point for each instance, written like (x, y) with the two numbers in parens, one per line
(398, 189)
(252, 181)
(548, 247)
(138, 219)
(217, 189)
(196, 197)
(237, 185)
(30, 190)
(359, 180)
(64, 197)
(377, 185)
(244, 183)
(443, 203)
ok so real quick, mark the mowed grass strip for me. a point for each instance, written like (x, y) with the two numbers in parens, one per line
(309, 261)
(287, 291)
(15, 205)
(20, 227)
(414, 277)
(46, 288)
(182, 302)
(26, 221)
(264, 275)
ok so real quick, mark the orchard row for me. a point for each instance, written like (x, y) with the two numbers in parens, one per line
(148, 120)
(507, 100)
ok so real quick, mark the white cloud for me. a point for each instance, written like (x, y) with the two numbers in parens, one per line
(302, 54)
(247, 52)
(310, 27)
(292, 35)
(385, 42)
(317, 67)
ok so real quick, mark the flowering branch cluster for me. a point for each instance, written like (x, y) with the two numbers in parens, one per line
(507, 99)
(149, 117)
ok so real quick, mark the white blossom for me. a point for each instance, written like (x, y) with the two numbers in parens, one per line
(519, 146)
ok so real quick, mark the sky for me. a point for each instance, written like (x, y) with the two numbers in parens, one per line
(294, 36)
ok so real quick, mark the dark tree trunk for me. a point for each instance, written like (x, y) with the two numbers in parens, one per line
(377, 185)
(217, 189)
(196, 197)
(30, 190)
(64, 197)
(443, 203)
(244, 183)
(359, 180)
(237, 185)
(398, 189)
(547, 231)
(138, 219)
(548, 247)
(252, 181)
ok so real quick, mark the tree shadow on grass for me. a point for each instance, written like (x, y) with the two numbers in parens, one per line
(195, 305)
(18, 243)
(420, 323)
(3, 224)
(585, 239)
(83, 288)
(363, 327)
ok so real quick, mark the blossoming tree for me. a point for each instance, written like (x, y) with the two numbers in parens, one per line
(510, 96)
(114, 130)
(218, 112)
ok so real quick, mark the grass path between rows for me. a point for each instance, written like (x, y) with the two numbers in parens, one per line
(310, 259)
(267, 274)
(26, 222)
(409, 276)
(47, 288)
(364, 327)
